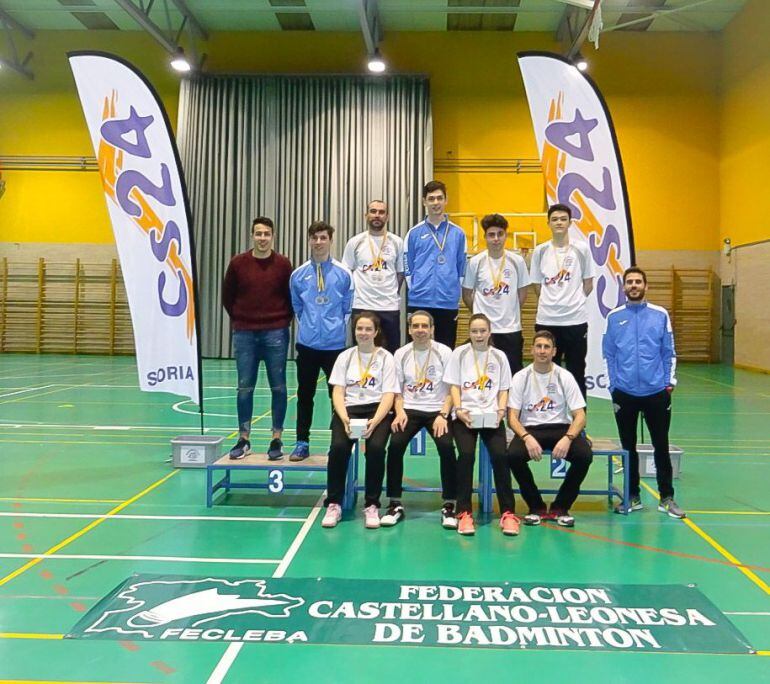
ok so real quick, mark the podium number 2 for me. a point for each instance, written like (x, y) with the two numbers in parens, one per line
(275, 481)
(558, 467)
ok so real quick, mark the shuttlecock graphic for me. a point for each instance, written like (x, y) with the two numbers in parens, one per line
(199, 603)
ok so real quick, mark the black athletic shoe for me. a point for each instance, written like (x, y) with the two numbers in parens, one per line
(242, 447)
(275, 450)
(394, 515)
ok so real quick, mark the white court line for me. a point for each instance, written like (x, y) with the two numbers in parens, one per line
(232, 651)
(164, 559)
(28, 389)
(128, 516)
(746, 613)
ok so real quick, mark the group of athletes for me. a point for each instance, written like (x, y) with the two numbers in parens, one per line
(457, 394)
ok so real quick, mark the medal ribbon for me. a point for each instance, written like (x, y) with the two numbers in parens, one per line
(544, 392)
(441, 244)
(364, 372)
(496, 279)
(481, 375)
(378, 261)
(319, 278)
(419, 374)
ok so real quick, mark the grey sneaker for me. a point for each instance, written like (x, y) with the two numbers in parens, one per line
(241, 449)
(634, 505)
(671, 508)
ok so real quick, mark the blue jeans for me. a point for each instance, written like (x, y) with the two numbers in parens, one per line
(251, 347)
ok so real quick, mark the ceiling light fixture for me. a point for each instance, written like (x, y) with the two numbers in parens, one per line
(580, 62)
(376, 64)
(179, 62)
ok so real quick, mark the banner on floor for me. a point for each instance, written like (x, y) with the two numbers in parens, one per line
(147, 201)
(582, 167)
(662, 618)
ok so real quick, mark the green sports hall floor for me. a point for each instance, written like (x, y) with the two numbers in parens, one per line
(78, 440)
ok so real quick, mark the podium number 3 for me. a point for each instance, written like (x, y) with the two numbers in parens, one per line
(275, 481)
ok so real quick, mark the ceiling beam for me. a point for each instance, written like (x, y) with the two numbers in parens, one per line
(196, 26)
(652, 13)
(143, 19)
(371, 26)
(9, 21)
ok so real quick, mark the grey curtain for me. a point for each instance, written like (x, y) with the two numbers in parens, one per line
(296, 149)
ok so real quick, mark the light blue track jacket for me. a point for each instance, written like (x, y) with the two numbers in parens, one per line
(322, 326)
(431, 284)
(638, 346)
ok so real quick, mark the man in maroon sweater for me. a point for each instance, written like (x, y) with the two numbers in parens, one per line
(255, 294)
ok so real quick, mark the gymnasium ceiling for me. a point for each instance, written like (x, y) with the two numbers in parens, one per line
(345, 15)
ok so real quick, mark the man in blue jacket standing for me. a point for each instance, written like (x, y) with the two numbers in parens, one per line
(638, 346)
(322, 299)
(434, 264)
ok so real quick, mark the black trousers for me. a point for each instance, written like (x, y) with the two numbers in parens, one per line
(465, 439)
(339, 456)
(572, 346)
(309, 363)
(656, 409)
(511, 344)
(517, 459)
(399, 442)
(445, 322)
(391, 328)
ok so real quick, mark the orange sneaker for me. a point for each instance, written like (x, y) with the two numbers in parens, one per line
(465, 524)
(509, 524)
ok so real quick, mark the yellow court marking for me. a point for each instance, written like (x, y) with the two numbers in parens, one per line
(35, 396)
(29, 635)
(763, 653)
(45, 500)
(731, 512)
(86, 529)
(718, 547)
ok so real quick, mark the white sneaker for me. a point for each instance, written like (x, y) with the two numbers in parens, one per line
(393, 516)
(448, 517)
(333, 515)
(371, 517)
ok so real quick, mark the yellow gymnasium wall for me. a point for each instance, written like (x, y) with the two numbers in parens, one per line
(745, 139)
(662, 90)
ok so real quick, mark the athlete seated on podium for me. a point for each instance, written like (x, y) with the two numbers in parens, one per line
(424, 402)
(546, 410)
(363, 384)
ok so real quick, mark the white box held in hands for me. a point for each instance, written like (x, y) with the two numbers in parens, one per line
(484, 420)
(357, 427)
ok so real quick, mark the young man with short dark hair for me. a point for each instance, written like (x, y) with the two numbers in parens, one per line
(638, 346)
(496, 283)
(255, 294)
(322, 296)
(562, 271)
(434, 264)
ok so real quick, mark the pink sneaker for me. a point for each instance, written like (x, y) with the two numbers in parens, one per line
(465, 524)
(509, 524)
(333, 515)
(371, 517)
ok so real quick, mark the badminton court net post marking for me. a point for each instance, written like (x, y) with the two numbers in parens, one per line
(275, 475)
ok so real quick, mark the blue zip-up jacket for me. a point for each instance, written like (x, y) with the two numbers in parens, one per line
(432, 284)
(638, 346)
(322, 326)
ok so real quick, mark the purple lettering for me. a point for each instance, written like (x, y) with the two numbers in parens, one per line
(115, 131)
(130, 179)
(570, 182)
(601, 287)
(180, 306)
(601, 251)
(161, 248)
(557, 133)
